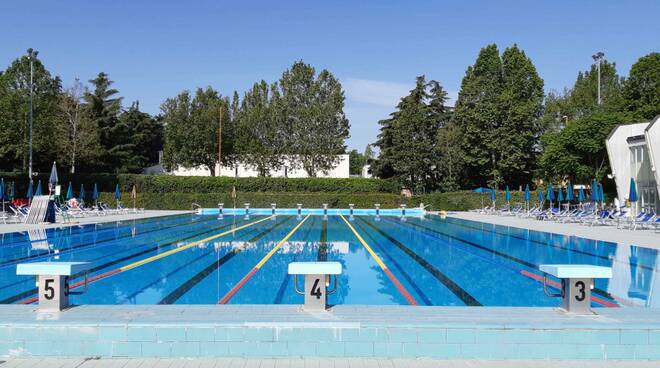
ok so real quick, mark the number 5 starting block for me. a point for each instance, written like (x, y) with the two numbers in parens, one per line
(53, 281)
(317, 281)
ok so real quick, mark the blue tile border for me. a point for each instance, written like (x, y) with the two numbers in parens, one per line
(262, 333)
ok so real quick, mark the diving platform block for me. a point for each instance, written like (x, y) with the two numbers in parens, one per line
(576, 284)
(317, 280)
(53, 281)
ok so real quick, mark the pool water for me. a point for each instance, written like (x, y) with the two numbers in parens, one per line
(204, 259)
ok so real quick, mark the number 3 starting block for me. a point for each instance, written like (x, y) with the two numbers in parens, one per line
(576, 284)
(317, 281)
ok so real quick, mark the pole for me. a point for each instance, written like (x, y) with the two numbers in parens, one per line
(220, 143)
(599, 100)
(31, 55)
(598, 58)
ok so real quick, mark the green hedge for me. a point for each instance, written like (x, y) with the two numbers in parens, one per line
(454, 201)
(206, 184)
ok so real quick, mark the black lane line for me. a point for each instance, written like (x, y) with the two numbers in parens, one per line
(280, 292)
(435, 233)
(606, 258)
(105, 255)
(403, 272)
(177, 293)
(68, 250)
(444, 279)
(33, 291)
(323, 243)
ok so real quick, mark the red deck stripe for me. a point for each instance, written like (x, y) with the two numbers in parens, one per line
(401, 288)
(225, 299)
(557, 285)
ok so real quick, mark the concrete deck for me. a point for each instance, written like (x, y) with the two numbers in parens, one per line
(645, 238)
(10, 228)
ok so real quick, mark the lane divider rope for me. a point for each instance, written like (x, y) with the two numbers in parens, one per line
(382, 265)
(230, 294)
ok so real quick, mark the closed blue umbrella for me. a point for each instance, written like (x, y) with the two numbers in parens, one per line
(569, 192)
(30, 192)
(541, 195)
(117, 192)
(493, 195)
(82, 193)
(528, 195)
(69, 192)
(38, 192)
(594, 191)
(560, 197)
(95, 193)
(12, 191)
(550, 195)
(2, 193)
(632, 194)
(601, 194)
(581, 196)
(507, 194)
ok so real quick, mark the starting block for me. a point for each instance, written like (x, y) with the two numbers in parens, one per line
(576, 284)
(53, 281)
(317, 281)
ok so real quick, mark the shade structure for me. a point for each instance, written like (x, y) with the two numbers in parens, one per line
(53, 179)
(117, 192)
(507, 194)
(82, 193)
(541, 195)
(601, 193)
(38, 191)
(482, 190)
(569, 192)
(2, 189)
(95, 192)
(581, 196)
(493, 195)
(632, 193)
(528, 195)
(69, 191)
(30, 191)
(560, 195)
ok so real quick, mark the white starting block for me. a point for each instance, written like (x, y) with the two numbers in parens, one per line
(576, 284)
(53, 281)
(317, 281)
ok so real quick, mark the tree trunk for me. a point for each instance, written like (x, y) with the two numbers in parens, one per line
(212, 169)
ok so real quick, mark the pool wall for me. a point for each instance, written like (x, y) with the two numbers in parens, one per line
(346, 331)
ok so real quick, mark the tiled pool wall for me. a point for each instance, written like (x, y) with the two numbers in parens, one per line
(331, 340)
(315, 211)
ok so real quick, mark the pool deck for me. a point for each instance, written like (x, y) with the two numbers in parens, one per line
(344, 331)
(648, 238)
(13, 227)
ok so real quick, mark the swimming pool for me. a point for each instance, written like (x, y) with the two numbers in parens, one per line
(204, 259)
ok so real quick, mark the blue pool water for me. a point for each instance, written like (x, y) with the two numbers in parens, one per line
(435, 261)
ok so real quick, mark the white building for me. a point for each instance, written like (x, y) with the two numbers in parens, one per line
(634, 152)
(341, 170)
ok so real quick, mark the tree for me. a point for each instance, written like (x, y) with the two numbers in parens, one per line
(368, 154)
(642, 89)
(259, 139)
(143, 139)
(14, 107)
(104, 107)
(355, 162)
(310, 111)
(578, 152)
(478, 116)
(191, 128)
(521, 104)
(78, 134)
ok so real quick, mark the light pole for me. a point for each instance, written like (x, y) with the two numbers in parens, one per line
(598, 58)
(31, 54)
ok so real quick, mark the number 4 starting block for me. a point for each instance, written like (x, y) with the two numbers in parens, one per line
(576, 284)
(317, 281)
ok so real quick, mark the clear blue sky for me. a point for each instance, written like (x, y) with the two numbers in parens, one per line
(154, 49)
